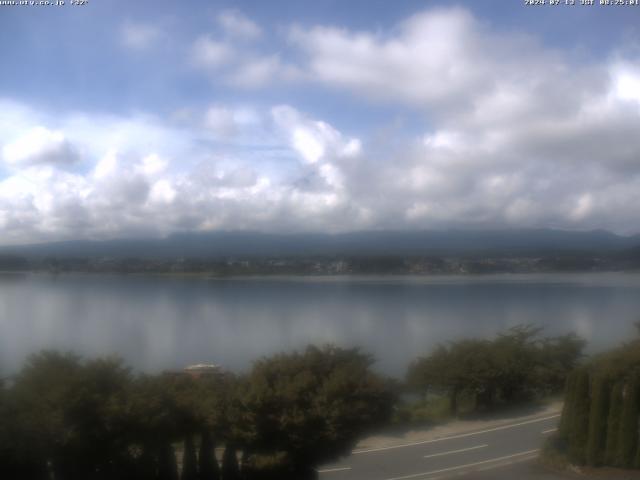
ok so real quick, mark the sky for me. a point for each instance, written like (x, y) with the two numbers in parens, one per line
(141, 119)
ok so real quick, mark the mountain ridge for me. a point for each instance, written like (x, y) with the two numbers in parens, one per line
(222, 244)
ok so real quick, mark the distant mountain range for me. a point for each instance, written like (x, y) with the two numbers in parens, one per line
(225, 244)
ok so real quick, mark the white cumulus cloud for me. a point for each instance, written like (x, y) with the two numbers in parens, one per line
(209, 53)
(40, 146)
(238, 25)
(502, 139)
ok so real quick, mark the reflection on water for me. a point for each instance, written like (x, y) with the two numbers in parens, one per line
(159, 322)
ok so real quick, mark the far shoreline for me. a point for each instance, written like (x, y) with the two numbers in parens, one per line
(506, 276)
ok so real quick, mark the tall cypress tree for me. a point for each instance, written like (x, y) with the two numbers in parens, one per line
(230, 469)
(209, 469)
(628, 436)
(580, 418)
(598, 420)
(189, 460)
(613, 423)
(567, 410)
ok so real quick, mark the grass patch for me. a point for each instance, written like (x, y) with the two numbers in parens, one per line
(423, 411)
(430, 410)
(554, 453)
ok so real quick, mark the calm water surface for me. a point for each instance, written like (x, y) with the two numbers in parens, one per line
(168, 322)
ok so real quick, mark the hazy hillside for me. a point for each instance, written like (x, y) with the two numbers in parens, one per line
(454, 242)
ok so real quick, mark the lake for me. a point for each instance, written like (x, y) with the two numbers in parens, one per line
(157, 323)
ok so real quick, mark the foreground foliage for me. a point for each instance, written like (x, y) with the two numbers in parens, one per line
(599, 424)
(66, 418)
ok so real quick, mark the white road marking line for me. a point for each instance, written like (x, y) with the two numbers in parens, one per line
(463, 435)
(330, 470)
(449, 469)
(525, 458)
(544, 432)
(455, 451)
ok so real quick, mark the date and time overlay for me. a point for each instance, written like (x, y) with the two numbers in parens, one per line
(570, 3)
(583, 3)
(43, 3)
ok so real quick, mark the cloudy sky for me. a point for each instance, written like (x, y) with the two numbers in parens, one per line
(128, 119)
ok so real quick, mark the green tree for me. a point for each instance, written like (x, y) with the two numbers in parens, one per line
(598, 420)
(465, 366)
(516, 365)
(97, 414)
(558, 356)
(157, 417)
(518, 358)
(314, 405)
(42, 389)
(434, 373)
(73, 414)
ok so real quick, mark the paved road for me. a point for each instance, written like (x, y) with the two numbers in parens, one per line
(506, 451)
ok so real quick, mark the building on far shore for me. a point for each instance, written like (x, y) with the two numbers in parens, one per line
(202, 369)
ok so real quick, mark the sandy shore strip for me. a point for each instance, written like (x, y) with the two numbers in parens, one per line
(454, 427)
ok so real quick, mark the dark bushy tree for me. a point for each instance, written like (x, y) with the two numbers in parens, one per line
(73, 414)
(314, 405)
(518, 359)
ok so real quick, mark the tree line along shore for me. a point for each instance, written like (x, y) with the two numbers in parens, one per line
(332, 265)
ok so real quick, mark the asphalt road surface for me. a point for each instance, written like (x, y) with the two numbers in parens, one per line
(504, 452)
